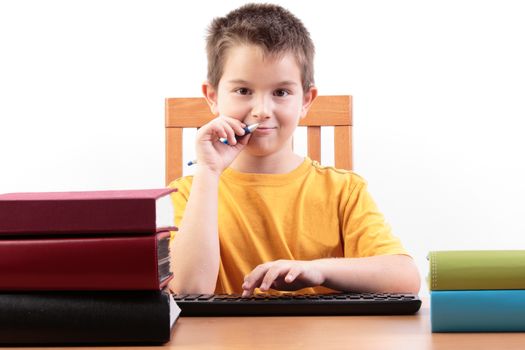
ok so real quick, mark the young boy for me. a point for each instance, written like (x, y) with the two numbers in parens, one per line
(255, 214)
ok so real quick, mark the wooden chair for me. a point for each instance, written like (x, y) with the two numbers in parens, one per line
(325, 111)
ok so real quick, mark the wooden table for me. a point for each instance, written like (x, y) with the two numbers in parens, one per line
(336, 332)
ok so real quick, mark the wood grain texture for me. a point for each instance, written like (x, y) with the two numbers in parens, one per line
(193, 112)
(173, 154)
(314, 142)
(331, 332)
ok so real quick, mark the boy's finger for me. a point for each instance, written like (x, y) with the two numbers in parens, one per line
(239, 130)
(248, 288)
(252, 279)
(270, 276)
(292, 274)
(236, 125)
(230, 133)
(244, 140)
(217, 131)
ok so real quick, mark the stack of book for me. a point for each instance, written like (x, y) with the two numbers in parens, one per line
(477, 291)
(86, 267)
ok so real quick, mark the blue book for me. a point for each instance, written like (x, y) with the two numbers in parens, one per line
(477, 311)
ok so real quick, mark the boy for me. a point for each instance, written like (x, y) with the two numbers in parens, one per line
(255, 214)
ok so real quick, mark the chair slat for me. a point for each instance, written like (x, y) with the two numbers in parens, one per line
(173, 154)
(314, 142)
(343, 147)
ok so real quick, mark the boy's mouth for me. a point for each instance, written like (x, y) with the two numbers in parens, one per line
(262, 130)
(266, 127)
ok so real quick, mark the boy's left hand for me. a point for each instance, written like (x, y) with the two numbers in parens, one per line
(282, 275)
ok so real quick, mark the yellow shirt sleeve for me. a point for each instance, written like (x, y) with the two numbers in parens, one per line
(366, 233)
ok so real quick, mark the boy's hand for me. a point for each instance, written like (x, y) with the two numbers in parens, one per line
(282, 275)
(212, 153)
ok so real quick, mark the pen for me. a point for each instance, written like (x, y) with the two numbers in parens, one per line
(247, 130)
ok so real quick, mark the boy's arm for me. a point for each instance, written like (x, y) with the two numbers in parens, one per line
(383, 273)
(195, 248)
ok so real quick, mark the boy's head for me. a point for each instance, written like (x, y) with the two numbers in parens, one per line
(273, 29)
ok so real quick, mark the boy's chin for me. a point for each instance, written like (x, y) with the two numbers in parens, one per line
(261, 147)
(259, 150)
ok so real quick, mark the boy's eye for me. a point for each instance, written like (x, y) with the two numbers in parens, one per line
(243, 91)
(281, 93)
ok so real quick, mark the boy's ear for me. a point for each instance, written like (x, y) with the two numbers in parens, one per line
(210, 94)
(308, 98)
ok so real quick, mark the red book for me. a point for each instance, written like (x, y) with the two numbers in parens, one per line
(125, 211)
(85, 262)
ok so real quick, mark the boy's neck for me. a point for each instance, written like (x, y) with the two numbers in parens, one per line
(277, 163)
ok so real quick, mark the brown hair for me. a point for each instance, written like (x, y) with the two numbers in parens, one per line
(272, 28)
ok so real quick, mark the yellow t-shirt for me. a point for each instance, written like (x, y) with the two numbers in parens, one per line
(310, 213)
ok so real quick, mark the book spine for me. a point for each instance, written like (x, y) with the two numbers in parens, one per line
(121, 215)
(477, 270)
(477, 311)
(84, 318)
(82, 263)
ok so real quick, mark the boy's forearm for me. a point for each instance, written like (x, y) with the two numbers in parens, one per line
(383, 273)
(196, 245)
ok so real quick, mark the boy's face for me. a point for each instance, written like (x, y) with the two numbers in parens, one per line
(264, 90)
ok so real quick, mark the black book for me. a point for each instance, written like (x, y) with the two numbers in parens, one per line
(54, 318)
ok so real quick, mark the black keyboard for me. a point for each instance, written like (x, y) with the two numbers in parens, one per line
(298, 304)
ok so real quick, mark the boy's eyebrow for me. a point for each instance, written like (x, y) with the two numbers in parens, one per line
(282, 83)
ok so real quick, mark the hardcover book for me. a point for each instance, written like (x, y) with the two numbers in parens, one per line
(85, 262)
(124, 211)
(477, 269)
(477, 311)
(58, 318)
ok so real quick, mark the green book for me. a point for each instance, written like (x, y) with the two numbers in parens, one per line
(476, 269)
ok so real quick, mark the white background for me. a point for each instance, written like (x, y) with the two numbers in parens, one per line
(438, 102)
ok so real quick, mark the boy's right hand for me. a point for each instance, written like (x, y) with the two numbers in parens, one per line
(213, 154)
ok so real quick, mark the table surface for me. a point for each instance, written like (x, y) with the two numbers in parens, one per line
(325, 332)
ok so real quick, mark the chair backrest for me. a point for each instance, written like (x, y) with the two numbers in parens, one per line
(325, 111)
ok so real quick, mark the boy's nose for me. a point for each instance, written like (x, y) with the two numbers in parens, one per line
(262, 108)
